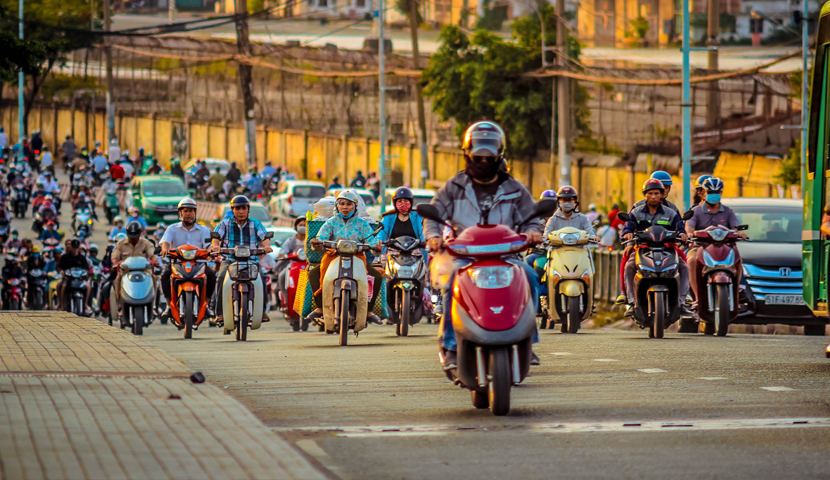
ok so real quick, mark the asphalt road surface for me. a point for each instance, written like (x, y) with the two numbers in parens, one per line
(604, 404)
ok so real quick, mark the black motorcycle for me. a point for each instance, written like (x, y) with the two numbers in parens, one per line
(657, 280)
(75, 289)
(20, 201)
(406, 273)
(39, 288)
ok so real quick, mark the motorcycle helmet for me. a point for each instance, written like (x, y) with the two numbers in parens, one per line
(134, 230)
(548, 194)
(713, 184)
(700, 180)
(402, 193)
(121, 236)
(117, 219)
(187, 203)
(653, 184)
(132, 210)
(567, 191)
(93, 248)
(664, 177)
(484, 139)
(240, 201)
(161, 226)
(349, 195)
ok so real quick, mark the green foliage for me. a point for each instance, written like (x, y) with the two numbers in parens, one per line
(790, 171)
(493, 18)
(255, 5)
(477, 77)
(63, 86)
(18, 54)
(640, 27)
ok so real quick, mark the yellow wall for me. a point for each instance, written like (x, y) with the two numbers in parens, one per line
(295, 152)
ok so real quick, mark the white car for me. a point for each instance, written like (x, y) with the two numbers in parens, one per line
(295, 197)
(419, 196)
(367, 196)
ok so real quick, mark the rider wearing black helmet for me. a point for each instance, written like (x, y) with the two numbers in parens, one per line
(402, 221)
(132, 246)
(567, 215)
(235, 231)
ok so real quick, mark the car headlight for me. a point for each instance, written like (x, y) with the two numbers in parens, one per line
(491, 277)
(569, 238)
(346, 246)
(188, 254)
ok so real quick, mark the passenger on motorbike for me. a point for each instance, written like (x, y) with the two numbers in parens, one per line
(132, 246)
(346, 225)
(13, 243)
(654, 212)
(240, 230)
(568, 216)
(186, 232)
(483, 191)
(291, 245)
(403, 221)
(10, 271)
(133, 215)
(158, 233)
(72, 259)
(254, 182)
(118, 228)
(711, 213)
(700, 192)
(83, 203)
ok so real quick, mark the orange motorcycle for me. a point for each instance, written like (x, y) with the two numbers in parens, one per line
(188, 282)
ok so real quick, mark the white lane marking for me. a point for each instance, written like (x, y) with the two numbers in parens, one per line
(310, 447)
(652, 370)
(561, 353)
(778, 389)
(605, 360)
(712, 378)
(575, 427)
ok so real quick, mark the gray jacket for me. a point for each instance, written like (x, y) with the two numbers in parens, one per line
(577, 220)
(457, 202)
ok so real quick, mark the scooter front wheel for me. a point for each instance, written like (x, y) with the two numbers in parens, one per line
(574, 315)
(403, 318)
(498, 373)
(138, 320)
(659, 317)
(188, 315)
(344, 318)
(721, 309)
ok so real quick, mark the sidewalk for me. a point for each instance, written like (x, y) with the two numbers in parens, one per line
(80, 399)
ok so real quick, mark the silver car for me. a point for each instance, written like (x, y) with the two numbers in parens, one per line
(295, 197)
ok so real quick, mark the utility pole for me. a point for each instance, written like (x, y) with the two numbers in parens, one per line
(21, 82)
(382, 83)
(171, 10)
(422, 121)
(713, 95)
(805, 101)
(686, 155)
(243, 47)
(563, 104)
(110, 83)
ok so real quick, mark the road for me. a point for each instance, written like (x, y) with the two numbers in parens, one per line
(604, 404)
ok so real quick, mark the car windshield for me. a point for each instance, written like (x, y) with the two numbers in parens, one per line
(163, 189)
(771, 224)
(281, 236)
(309, 191)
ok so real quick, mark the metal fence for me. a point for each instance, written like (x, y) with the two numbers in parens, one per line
(607, 274)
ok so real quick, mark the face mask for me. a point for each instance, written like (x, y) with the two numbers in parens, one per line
(345, 217)
(568, 207)
(404, 208)
(713, 198)
(14, 236)
(301, 230)
(482, 170)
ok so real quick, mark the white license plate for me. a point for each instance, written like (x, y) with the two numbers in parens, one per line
(784, 300)
(171, 217)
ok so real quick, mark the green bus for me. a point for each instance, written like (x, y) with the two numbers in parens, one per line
(816, 251)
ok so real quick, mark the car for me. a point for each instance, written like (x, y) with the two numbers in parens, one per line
(295, 197)
(212, 163)
(157, 197)
(281, 234)
(419, 196)
(258, 212)
(771, 284)
(367, 196)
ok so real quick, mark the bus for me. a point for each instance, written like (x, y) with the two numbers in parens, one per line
(816, 251)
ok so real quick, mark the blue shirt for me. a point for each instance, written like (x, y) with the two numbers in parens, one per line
(100, 163)
(249, 235)
(138, 219)
(268, 171)
(255, 184)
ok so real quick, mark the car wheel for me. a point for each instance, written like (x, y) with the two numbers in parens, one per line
(814, 330)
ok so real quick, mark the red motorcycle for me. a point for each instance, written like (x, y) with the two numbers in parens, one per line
(292, 272)
(493, 314)
(14, 293)
(715, 277)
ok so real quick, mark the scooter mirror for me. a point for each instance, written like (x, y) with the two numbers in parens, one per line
(545, 207)
(269, 235)
(742, 227)
(688, 215)
(157, 250)
(624, 216)
(429, 212)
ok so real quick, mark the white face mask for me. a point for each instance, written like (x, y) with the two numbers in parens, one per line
(567, 207)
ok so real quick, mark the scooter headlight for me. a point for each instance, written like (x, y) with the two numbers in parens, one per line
(188, 254)
(491, 277)
(242, 252)
(346, 246)
(725, 263)
(569, 238)
(407, 271)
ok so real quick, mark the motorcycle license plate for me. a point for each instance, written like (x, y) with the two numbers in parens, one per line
(784, 300)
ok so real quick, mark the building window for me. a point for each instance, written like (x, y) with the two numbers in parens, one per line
(322, 3)
(360, 3)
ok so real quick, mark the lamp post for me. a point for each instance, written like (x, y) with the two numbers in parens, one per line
(21, 81)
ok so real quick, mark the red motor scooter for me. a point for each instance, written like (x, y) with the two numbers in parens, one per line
(492, 311)
(292, 272)
(715, 277)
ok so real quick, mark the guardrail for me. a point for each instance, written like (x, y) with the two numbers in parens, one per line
(607, 265)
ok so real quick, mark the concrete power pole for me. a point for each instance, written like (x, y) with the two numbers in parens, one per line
(713, 95)
(243, 47)
(382, 170)
(171, 10)
(110, 83)
(422, 121)
(21, 83)
(563, 91)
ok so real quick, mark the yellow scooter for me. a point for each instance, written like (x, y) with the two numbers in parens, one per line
(570, 278)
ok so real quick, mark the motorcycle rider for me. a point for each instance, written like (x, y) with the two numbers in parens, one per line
(186, 232)
(50, 232)
(291, 245)
(72, 258)
(83, 203)
(133, 215)
(711, 213)
(217, 181)
(346, 224)
(700, 192)
(118, 227)
(11, 270)
(483, 191)
(13, 243)
(567, 214)
(254, 182)
(176, 168)
(158, 233)
(655, 212)
(359, 181)
(34, 261)
(239, 230)
(666, 180)
(403, 220)
(132, 246)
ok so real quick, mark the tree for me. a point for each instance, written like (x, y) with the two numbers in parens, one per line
(789, 173)
(640, 27)
(52, 28)
(477, 77)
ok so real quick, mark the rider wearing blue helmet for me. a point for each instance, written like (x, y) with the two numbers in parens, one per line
(666, 180)
(700, 192)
